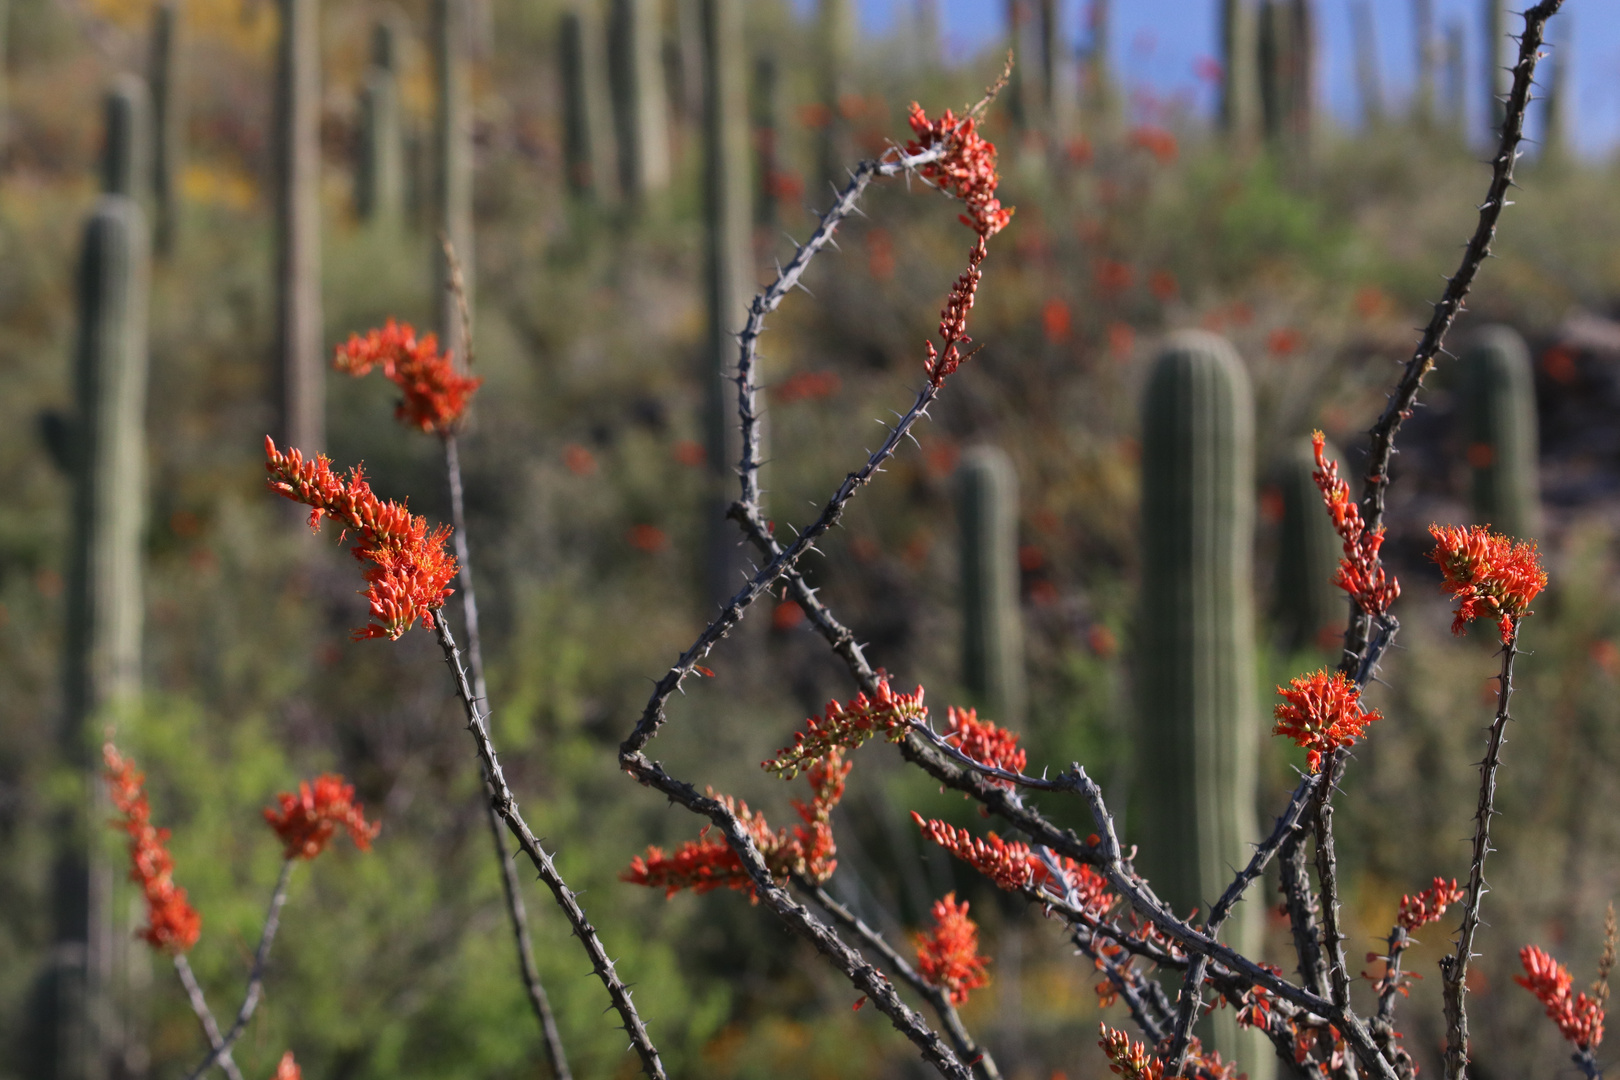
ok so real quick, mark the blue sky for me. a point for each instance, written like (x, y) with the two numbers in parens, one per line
(1157, 43)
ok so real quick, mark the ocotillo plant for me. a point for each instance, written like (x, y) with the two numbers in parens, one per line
(1200, 730)
(992, 624)
(167, 74)
(1309, 609)
(104, 605)
(379, 180)
(640, 113)
(125, 157)
(300, 370)
(589, 153)
(835, 33)
(1497, 403)
(453, 168)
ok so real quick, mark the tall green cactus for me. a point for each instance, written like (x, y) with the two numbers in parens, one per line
(168, 123)
(1287, 74)
(124, 158)
(1200, 728)
(766, 121)
(1555, 111)
(1498, 425)
(640, 111)
(379, 182)
(992, 626)
(835, 30)
(1497, 75)
(1369, 81)
(588, 148)
(300, 361)
(1423, 103)
(1308, 605)
(1456, 79)
(1240, 77)
(102, 654)
(453, 167)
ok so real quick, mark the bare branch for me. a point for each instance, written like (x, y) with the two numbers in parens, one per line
(205, 1017)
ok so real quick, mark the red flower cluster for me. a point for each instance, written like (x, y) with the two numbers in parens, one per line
(984, 742)
(1488, 574)
(1579, 1018)
(171, 922)
(1134, 1061)
(948, 955)
(309, 819)
(1429, 905)
(435, 394)
(849, 726)
(953, 320)
(1013, 865)
(1361, 573)
(968, 169)
(288, 1068)
(707, 863)
(411, 570)
(1322, 712)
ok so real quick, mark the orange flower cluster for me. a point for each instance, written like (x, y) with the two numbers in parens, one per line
(1488, 574)
(708, 863)
(984, 742)
(171, 922)
(1429, 905)
(1361, 573)
(948, 955)
(435, 394)
(968, 169)
(1322, 712)
(1013, 865)
(953, 320)
(1579, 1018)
(288, 1068)
(411, 570)
(308, 820)
(849, 726)
(1134, 1061)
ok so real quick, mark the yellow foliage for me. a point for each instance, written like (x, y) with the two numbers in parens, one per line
(248, 26)
(219, 185)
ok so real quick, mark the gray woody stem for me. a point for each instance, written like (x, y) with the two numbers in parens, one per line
(205, 1016)
(939, 999)
(475, 655)
(506, 805)
(255, 989)
(1454, 968)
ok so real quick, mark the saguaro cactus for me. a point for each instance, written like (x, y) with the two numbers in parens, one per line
(639, 108)
(1287, 72)
(1498, 421)
(1308, 605)
(1497, 76)
(836, 41)
(300, 362)
(124, 158)
(766, 119)
(103, 639)
(1423, 104)
(1369, 82)
(379, 182)
(453, 167)
(992, 627)
(1200, 728)
(168, 123)
(587, 117)
(1240, 85)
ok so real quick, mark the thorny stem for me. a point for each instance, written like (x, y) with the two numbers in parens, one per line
(1295, 882)
(506, 805)
(1454, 968)
(1389, 985)
(205, 1016)
(1327, 876)
(255, 988)
(939, 999)
(510, 885)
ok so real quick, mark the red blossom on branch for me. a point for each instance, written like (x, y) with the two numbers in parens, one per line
(171, 922)
(967, 169)
(984, 742)
(1361, 573)
(948, 955)
(848, 726)
(1579, 1018)
(1430, 904)
(1488, 574)
(288, 1068)
(1322, 712)
(435, 393)
(1134, 1061)
(307, 821)
(411, 570)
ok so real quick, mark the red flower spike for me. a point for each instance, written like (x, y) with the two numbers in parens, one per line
(967, 170)
(947, 955)
(1488, 574)
(436, 395)
(1430, 904)
(410, 571)
(1129, 1059)
(288, 1068)
(1579, 1018)
(1361, 573)
(171, 922)
(1008, 864)
(848, 726)
(984, 742)
(1322, 712)
(308, 820)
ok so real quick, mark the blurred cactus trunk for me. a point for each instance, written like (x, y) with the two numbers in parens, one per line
(5, 74)
(102, 654)
(639, 108)
(1240, 86)
(125, 161)
(1497, 75)
(766, 120)
(1369, 79)
(168, 124)
(1057, 72)
(835, 30)
(1309, 607)
(1288, 78)
(587, 111)
(1200, 728)
(1456, 69)
(301, 369)
(1423, 100)
(1023, 87)
(379, 182)
(1498, 411)
(992, 627)
(1555, 110)
(453, 168)
(1102, 103)
(728, 267)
